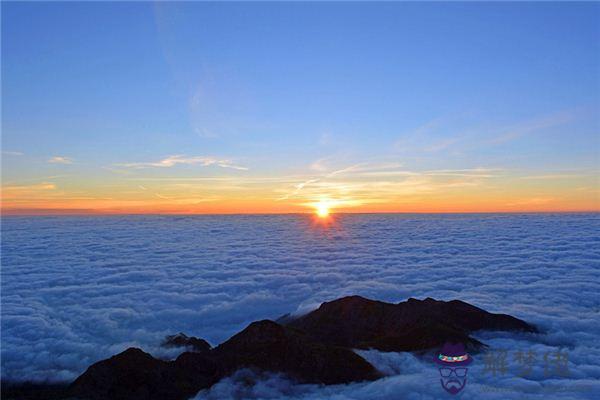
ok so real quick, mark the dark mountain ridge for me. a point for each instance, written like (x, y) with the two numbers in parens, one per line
(312, 348)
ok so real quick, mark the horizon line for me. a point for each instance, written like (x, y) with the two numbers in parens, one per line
(110, 214)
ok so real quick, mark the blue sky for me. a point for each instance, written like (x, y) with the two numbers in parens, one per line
(295, 92)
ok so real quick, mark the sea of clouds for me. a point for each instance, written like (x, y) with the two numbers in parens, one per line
(75, 290)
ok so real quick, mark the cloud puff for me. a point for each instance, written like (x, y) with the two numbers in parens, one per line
(79, 289)
(174, 160)
(60, 160)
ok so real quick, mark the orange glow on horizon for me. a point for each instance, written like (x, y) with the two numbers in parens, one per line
(92, 208)
(322, 210)
(68, 196)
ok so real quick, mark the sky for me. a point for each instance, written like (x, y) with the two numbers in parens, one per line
(279, 107)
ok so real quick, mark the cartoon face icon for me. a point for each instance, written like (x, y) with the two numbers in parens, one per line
(452, 364)
(453, 379)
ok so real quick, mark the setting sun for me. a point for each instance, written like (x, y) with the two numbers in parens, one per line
(322, 210)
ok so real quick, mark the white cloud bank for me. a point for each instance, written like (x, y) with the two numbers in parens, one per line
(79, 289)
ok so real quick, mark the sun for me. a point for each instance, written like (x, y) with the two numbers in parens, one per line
(322, 210)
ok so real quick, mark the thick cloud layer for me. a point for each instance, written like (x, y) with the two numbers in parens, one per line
(79, 289)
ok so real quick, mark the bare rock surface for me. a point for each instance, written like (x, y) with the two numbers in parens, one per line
(134, 374)
(412, 325)
(190, 342)
(272, 347)
(263, 345)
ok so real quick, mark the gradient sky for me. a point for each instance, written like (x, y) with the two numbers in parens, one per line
(271, 107)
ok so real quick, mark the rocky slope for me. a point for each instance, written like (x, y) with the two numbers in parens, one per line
(272, 347)
(357, 322)
(263, 345)
(189, 342)
(134, 374)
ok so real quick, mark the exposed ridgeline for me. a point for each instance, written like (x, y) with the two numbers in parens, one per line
(411, 325)
(313, 348)
(264, 345)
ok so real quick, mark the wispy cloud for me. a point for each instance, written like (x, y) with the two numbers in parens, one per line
(441, 145)
(532, 201)
(297, 188)
(550, 176)
(534, 125)
(327, 173)
(12, 153)
(37, 186)
(466, 172)
(174, 160)
(380, 182)
(412, 139)
(453, 134)
(320, 165)
(206, 133)
(60, 160)
(15, 192)
(425, 129)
